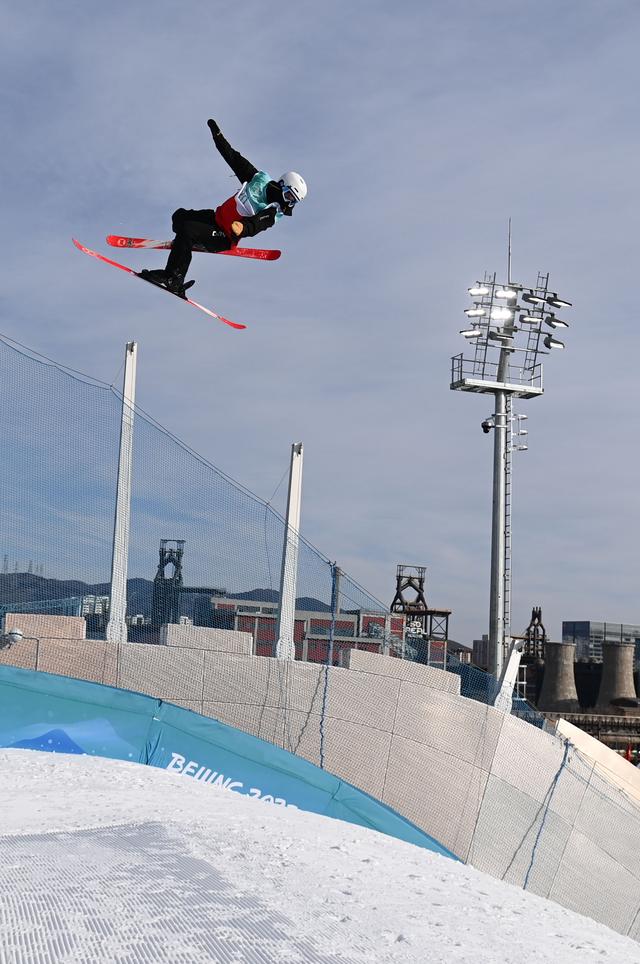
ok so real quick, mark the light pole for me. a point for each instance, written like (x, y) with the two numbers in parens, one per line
(507, 331)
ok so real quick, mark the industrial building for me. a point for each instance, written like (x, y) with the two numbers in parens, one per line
(588, 637)
(313, 628)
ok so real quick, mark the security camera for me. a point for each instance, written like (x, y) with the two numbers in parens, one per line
(9, 639)
(487, 425)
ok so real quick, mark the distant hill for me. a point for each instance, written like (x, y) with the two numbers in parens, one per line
(19, 588)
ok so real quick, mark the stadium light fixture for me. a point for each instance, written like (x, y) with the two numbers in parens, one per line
(471, 332)
(533, 299)
(501, 314)
(507, 293)
(478, 291)
(550, 342)
(554, 322)
(555, 302)
(475, 312)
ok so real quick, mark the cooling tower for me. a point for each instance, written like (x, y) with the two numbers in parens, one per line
(558, 693)
(617, 694)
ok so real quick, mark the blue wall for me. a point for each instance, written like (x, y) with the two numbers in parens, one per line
(55, 713)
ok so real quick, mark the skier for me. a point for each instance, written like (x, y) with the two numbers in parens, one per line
(258, 204)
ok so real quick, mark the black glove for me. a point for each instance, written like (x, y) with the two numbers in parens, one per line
(213, 127)
(255, 223)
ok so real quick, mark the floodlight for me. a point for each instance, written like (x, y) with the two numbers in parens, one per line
(551, 342)
(475, 312)
(521, 448)
(556, 302)
(506, 293)
(501, 314)
(500, 336)
(479, 290)
(530, 319)
(533, 299)
(471, 333)
(554, 322)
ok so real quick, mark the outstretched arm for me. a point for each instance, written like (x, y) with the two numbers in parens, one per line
(241, 167)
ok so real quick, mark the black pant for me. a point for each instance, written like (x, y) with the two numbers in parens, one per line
(193, 228)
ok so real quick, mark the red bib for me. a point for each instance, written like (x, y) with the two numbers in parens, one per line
(226, 214)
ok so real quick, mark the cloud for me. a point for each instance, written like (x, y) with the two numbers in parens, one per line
(420, 129)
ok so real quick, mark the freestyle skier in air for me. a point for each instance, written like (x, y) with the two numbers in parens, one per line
(258, 204)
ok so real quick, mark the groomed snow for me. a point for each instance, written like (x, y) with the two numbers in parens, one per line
(109, 861)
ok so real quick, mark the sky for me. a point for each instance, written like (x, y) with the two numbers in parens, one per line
(151, 864)
(420, 128)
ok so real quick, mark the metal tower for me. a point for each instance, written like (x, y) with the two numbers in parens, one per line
(427, 625)
(166, 589)
(535, 636)
(502, 315)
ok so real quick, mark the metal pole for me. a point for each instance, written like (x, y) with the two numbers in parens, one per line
(508, 494)
(117, 625)
(335, 608)
(496, 592)
(285, 646)
(386, 642)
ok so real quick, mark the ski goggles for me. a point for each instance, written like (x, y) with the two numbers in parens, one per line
(289, 197)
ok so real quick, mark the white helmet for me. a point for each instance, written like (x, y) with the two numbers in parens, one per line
(294, 187)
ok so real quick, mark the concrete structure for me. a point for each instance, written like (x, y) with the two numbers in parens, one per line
(44, 626)
(614, 768)
(617, 689)
(505, 796)
(187, 636)
(558, 694)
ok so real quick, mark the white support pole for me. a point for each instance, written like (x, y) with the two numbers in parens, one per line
(285, 647)
(509, 678)
(117, 625)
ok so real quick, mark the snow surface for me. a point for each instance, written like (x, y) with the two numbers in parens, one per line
(103, 860)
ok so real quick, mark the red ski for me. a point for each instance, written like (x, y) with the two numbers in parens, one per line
(259, 254)
(123, 267)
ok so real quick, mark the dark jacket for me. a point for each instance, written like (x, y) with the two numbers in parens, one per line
(244, 170)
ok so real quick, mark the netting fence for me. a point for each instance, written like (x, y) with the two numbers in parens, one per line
(202, 548)
(202, 604)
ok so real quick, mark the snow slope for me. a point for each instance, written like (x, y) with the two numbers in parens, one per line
(103, 860)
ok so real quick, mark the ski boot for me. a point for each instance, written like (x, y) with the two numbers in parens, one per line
(175, 283)
(156, 276)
